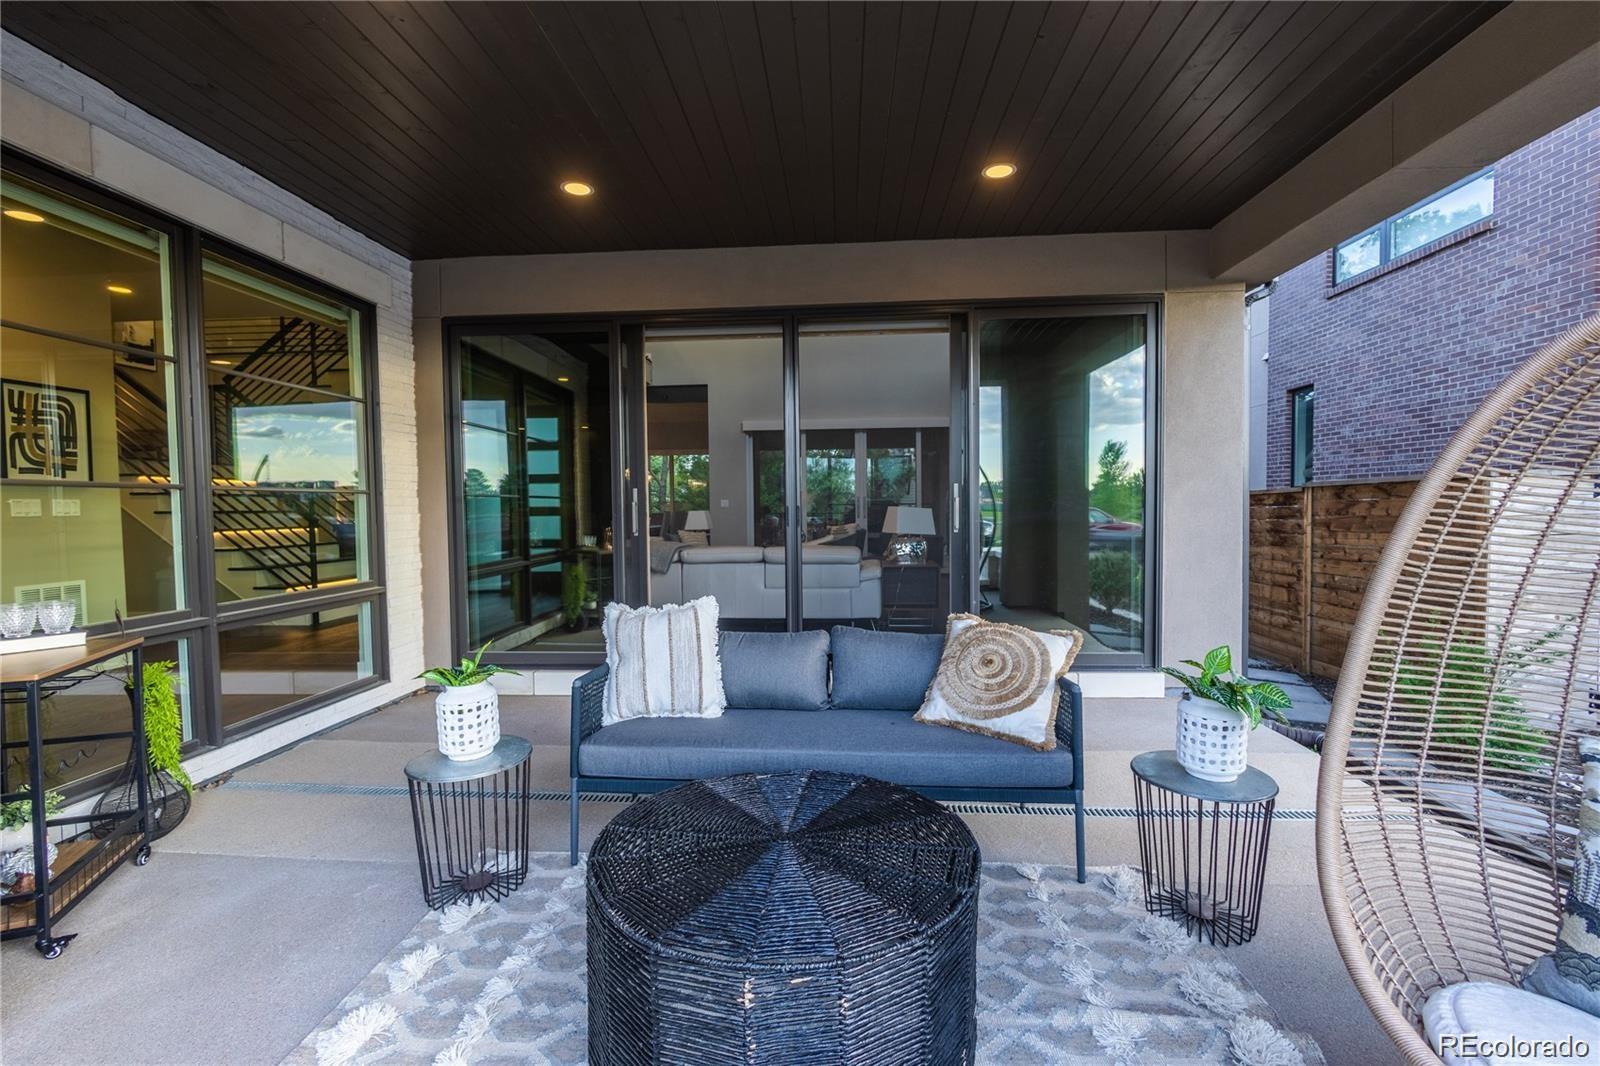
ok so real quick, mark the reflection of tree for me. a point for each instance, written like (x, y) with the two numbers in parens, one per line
(830, 484)
(477, 483)
(1430, 223)
(1118, 489)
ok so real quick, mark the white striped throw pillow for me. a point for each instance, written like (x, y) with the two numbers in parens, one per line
(663, 662)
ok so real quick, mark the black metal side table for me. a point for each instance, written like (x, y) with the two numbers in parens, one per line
(471, 821)
(1203, 846)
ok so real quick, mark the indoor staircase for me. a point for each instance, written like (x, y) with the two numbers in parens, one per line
(265, 542)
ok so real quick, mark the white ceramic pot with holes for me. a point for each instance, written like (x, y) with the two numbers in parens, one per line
(1213, 740)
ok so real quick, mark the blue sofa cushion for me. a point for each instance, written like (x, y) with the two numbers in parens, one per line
(880, 671)
(874, 742)
(784, 671)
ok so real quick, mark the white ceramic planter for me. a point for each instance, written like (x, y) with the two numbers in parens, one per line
(1213, 740)
(469, 721)
(20, 836)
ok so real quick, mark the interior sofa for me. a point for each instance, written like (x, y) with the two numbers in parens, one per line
(748, 581)
(818, 701)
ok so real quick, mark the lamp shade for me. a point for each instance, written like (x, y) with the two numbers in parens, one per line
(697, 520)
(917, 521)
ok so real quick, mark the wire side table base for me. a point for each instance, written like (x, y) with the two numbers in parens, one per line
(1203, 848)
(471, 823)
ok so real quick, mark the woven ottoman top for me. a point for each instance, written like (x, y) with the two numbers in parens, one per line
(782, 869)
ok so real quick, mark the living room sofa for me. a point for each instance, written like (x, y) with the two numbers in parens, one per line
(748, 582)
(818, 701)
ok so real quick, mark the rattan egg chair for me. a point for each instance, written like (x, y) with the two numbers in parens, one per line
(1447, 801)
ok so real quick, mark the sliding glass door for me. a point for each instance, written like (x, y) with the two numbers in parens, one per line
(876, 503)
(717, 491)
(1063, 444)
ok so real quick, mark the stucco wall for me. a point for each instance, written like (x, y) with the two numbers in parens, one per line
(65, 118)
(1203, 415)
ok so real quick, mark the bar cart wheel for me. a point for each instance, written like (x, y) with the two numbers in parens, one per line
(51, 947)
(144, 855)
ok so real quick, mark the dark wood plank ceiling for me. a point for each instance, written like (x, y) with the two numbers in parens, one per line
(445, 129)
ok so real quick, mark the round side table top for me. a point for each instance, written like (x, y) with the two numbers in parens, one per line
(781, 869)
(1162, 769)
(434, 767)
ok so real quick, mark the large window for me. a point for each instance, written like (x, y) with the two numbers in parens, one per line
(1467, 201)
(1063, 446)
(210, 489)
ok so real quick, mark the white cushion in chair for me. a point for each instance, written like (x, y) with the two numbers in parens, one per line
(1494, 1014)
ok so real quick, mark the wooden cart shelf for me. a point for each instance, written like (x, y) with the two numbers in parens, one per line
(87, 859)
(66, 871)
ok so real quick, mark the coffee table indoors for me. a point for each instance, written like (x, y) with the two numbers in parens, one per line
(786, 918)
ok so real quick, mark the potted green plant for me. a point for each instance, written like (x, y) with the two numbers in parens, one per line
(467, 709)
(16, 841)
(1217, 714)
(574, 591)
(170, 787)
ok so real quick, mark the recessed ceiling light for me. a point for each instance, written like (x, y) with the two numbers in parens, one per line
(220, 362)
(119, 290)
(563, 380)
(583, 427)
(996, 171)
(577, 188)
(24, 216)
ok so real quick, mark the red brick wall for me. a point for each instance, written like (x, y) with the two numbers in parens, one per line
(1401, 360)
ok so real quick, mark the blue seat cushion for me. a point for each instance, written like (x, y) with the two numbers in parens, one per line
(877, 743)
(784, 671)
(882, 671)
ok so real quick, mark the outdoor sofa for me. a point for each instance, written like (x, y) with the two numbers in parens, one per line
(818, 701)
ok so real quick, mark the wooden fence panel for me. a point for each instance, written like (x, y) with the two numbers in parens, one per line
(1312, 551)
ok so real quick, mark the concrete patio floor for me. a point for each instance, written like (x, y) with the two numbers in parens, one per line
(289, 882)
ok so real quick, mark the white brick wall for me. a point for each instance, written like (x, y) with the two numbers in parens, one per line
(67, 118)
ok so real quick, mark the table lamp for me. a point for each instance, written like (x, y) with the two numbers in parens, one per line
(908, 529)
(698, 523)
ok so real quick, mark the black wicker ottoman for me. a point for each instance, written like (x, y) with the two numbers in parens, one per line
(788, 918)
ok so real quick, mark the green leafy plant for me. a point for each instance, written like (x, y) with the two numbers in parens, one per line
(1253, 699)
(18, 813)
(163, 723)
(1458, 681)
(1116, 579)
(574, 590)
(470, 672)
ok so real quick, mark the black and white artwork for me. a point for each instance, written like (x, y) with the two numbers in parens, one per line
(46, 432)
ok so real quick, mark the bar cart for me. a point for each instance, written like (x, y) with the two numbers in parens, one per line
(85, 858)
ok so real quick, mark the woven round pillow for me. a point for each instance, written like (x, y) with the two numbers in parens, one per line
(990, 671)
(785, 918)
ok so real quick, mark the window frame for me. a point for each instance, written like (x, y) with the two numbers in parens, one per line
(199, 619)
(1385, 230)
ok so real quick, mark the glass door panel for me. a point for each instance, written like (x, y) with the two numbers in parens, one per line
(536, 486)
(714, 430)
(875, 429)
(1063, 434)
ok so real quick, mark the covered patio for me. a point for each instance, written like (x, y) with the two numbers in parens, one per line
(378, 335)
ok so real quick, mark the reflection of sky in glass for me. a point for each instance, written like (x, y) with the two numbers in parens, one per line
(487, 451)
(296, 442)
(1116, 412)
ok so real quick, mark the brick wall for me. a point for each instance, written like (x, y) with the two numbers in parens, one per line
(1401, 360)
(74, 122)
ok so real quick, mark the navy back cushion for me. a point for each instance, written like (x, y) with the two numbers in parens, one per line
(883, 671)
(780, 671)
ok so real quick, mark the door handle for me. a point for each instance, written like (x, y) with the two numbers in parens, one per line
(955, 507)
(633, 510)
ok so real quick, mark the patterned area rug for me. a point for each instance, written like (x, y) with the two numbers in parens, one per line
(1067, 973)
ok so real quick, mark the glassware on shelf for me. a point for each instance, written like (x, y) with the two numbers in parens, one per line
(57, 616)
(16, 620)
